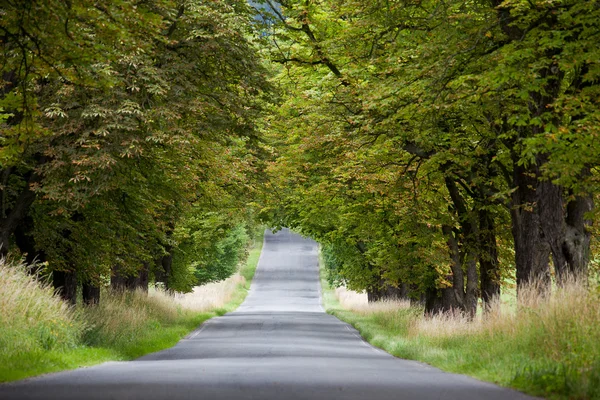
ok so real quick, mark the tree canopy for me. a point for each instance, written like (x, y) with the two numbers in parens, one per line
(439, 148)
(122, 123)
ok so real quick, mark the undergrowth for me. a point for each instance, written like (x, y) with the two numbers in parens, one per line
(547, 346)
(39, 333)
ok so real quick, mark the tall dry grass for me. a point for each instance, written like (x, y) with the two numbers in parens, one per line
(568, 305)
(358, 302)
(210, 296)
(40, 333)
(556, 314)
(32, 319)
(121, 317)
(548, 344)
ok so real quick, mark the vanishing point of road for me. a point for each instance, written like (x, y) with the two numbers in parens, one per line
(279, 344)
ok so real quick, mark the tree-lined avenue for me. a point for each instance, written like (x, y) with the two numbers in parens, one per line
(279, 344)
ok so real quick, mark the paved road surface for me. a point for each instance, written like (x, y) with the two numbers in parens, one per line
(278, 345)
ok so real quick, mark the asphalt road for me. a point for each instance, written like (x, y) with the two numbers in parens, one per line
(278, 345)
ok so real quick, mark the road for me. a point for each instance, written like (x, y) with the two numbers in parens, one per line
(279, 344)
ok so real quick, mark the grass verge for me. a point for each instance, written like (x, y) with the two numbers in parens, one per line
(547, 347)
(40, 334)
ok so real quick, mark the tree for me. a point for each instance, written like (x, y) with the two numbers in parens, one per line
(118, 119)
(461, 108)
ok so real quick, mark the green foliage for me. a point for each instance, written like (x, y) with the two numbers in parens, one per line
(345, 265)
(122, 119)
(223, 257)
(248, 270)
(405, 125)
(209, 249)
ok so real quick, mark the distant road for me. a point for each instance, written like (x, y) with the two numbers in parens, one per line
(278, 345)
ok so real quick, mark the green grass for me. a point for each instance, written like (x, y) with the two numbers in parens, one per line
(157, 336)
(247, 271)
(40, 334)
(548, 347)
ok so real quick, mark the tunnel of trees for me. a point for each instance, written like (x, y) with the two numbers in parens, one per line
(436, 150)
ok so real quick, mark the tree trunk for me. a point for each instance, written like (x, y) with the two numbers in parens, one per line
(464, 300)
(532, 247)
(566, 230)
(472, 286)
(91, 294)
(463, 247)
(15, 216)
(385, 291)
(118, 281)
(488, 260)
(551, 212)
(440, 301)
(167, 263)
(577, 237)
(532, 251)
(140, 281)
(417, 296)
(121, 282)
(65, 284)
(26, 244)
(576, 246)
(457, 278)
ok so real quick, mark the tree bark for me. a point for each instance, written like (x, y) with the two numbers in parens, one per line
(488, 261)
(440, 301)
(65, 284)
(167, 263)
(532, 251)
(385, 291)
(26, 244)
(141, 280)
(532, 247)
(121, 282)
(91, 294)
(577, 237)
(463, 247)
(118, 281)
(15, 216)
(472, 286)
(457, 278)
(11, 219)
(566, 230)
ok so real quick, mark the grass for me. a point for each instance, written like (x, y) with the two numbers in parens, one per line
(210, 296)
(40, 334)
(546, 347)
